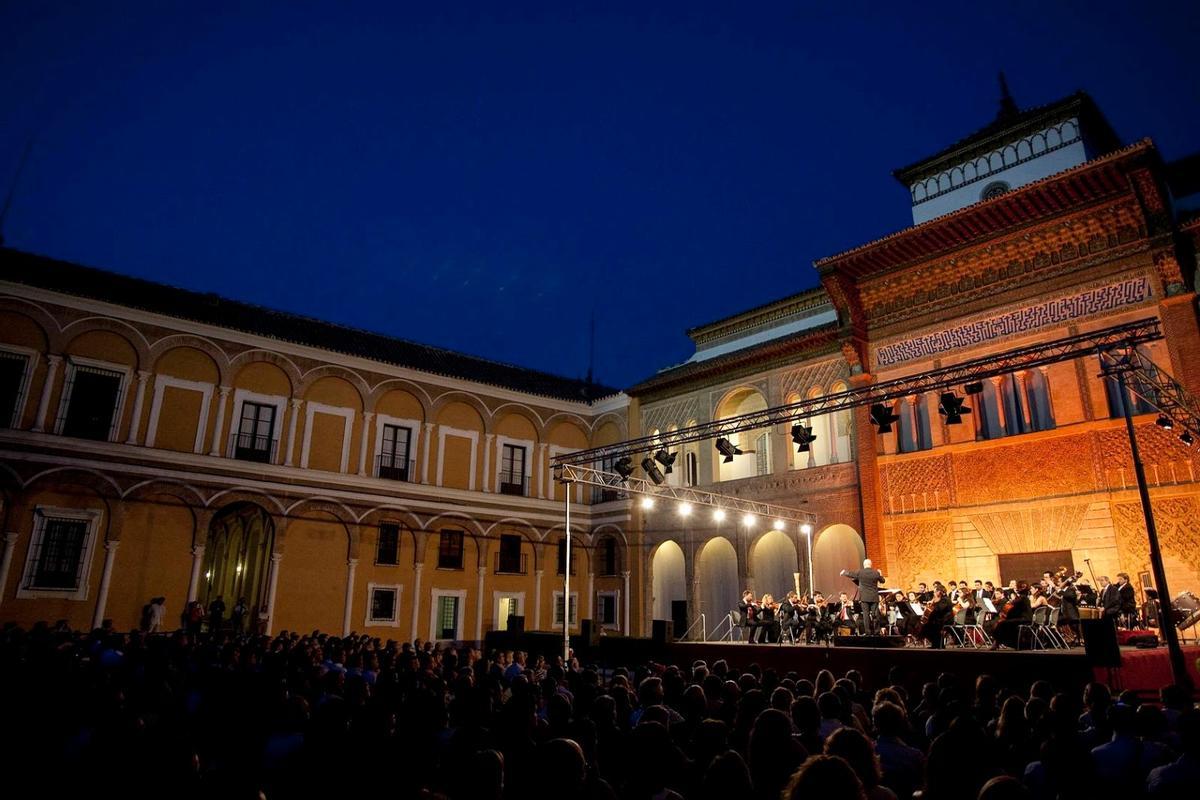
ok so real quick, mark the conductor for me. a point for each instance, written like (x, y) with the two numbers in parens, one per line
(868, 579)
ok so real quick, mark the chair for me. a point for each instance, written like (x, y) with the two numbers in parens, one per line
(738, 621)
(1037, 630)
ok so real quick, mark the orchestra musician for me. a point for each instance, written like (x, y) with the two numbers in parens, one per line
(938, 614)
(1127, 598)
(844, 614)
(923, 593)
(1016, 612)
(1068, 606)
(789, 615)
(817, 623)
(1109, 600)
(750, 616)
(767, 617)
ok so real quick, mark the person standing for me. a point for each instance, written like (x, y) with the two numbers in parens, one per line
(216, 613)
(1127, 600)
(868, 579)
(158, 614)
(238, 615)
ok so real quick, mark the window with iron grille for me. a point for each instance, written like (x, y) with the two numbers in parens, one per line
(762, 464)
(13, 369)
(607, 608)
(256, 431)
(90, 399)
(609, 562)
(512, 469)
(450, 550)
(558, 609)
(394, 461)
(692, 469)
(509, 557)
(58, 553)
(447, 617)
(562, 556)
(384, 604)
(387, 551)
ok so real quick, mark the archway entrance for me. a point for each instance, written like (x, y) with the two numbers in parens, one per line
(773, 562)
(718, 575)
(836, 548)
(237, 557)
(668, 583)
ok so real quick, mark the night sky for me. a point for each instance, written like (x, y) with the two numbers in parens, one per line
(486, 179)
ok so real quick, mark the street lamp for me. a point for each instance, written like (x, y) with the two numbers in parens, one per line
(807, 530)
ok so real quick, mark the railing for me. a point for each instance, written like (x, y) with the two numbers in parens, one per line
(511, 564)
(390, 467)
(716, 635)
(703, 633)
(249, 447)
(605, 495)
(517, 485)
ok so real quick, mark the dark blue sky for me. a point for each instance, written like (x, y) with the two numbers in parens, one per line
(484, 179)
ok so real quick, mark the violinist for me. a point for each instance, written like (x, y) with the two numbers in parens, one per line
(768, 611)
(938, 614)
(750, 616)
(843, 613)
(817, 623)
(1016, 612)
(789, 615)
(1068, 608)
(907, 620)
(923, 593)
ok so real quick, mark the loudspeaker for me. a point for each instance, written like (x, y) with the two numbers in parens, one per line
(679, 615)
(1100, 642)
(516, 623)
(1144, 641)
(868, 641)
(662, 631)
(589, 632)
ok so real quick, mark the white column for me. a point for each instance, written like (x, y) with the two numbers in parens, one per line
(416, 601)
(10, 543)
(351, 566)
(543, 468)
(832, 433)
(110, 556)
(219, 426)
(536, 622)
(52, 362)
(1024, 397)
(914, 423)
(487, 461)
(139, 399)
(479, 605)
(625, 628)
(368, 419)
(291, 440)
(425, 467)
(998, 385)
(1045, 370)
(194, 580)
(591, 594)
(272, 587)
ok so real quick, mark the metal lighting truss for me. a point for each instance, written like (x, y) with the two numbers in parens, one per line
(574, 473)
(1148, 381)
(1127, 336)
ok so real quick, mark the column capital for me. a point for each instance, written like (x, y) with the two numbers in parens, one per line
(482, 571)
(911, 399)
(224, 390)
(418, 566)
(112, 544)
(296, 402)
(489, 436)
(428, 426)
(198, 549)
(368, 415)
(53, 360)
(625, 574)
(144, 375)
(351, 562)
(276, 558)
(996, 380)
(11, 537)
(538, 573)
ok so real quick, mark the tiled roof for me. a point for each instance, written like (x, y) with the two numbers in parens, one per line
(1010, 124)
(210, 309)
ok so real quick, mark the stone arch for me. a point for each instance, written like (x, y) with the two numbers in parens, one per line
(333, 371)
(104, 488)
(565, 416)
(836, 547)
(186, 493)
(773, 562)
(378, 514)
(466, 398)
(239, 361)
(618, 420)
(43, 336)
(522, 410)
(415, 389)
(239, 546)
(475, 529)
(491, 537)
(620, 555)
(334, 509)
(44, 319)
(237, 494)
(668, 579)
(204, 345)
(137, 340)
(739, 400)
(717, 574)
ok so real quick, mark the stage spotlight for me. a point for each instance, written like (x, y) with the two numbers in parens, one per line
(666, 459)
(652, 471)
(806, 529)
(1164, 422)
(883, 418)
(802, 437)
(974, 388)
(685, 509)
(952, 407)
(1186, 438)
(647, 503)
(624, 467)
(727, 449)
(778, 524)
(748, 520)
(719, 515)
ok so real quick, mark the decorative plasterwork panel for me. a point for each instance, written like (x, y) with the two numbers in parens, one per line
(661, 416)
(822, 375)
(1046, 468)
(1031, 530)
(1175, 519)
(923, 548)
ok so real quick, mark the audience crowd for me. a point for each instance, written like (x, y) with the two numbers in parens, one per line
(185, 715)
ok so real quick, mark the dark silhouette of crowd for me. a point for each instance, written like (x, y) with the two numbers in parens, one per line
(310, 715)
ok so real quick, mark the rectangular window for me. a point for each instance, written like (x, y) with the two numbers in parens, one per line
(605, 494)
(558, 609)
(450, 550)
(92, 396)
(385, 602)
(762, 461)
(692, 468)
(562, 556)
(512, 470)
(508, 559)
(447, 617)
(58, 558)
(394, 461)
(607, 608)
(609, 563)
(254, 440)
(13, 368)
(509, 605)
(388, 549)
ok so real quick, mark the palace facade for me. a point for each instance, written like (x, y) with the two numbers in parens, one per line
(159, 442)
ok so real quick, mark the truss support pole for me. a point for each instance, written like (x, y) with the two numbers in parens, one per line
(567, 578)
(1166, 623)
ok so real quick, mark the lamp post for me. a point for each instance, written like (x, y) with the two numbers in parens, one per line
(567, 578)
(807, 530)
